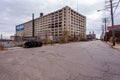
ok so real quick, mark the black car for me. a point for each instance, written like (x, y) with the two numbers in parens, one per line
(32, 43)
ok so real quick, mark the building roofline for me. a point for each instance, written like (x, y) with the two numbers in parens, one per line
(114, 25)
(51, 13)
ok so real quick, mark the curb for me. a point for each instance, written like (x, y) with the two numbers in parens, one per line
(113, 47)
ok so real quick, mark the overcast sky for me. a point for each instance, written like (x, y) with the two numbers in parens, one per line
(14, 12)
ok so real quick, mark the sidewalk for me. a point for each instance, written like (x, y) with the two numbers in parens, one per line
(117, 46)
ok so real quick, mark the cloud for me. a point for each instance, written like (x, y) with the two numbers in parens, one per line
(86, 2)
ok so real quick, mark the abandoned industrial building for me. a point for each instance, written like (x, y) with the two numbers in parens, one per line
(53, 24)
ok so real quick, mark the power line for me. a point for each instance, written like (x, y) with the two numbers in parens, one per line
(109, 20)
(114, 10)
(116, 7)
(118, 14)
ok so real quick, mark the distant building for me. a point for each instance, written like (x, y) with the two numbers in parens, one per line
(108, 35)
(7, 43)
(53, 24)
(91, 36)
(115, 27)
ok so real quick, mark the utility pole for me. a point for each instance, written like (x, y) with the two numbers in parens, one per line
(105, 24)
(104, 20)
(105, 38)
(112, 19)
(102, 32)
(111, 5)
(107, 6)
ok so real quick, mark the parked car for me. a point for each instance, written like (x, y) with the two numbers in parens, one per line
(32, 43)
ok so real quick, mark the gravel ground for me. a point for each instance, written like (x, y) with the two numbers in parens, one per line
(93, 60)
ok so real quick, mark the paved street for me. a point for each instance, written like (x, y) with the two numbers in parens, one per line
(93, 60)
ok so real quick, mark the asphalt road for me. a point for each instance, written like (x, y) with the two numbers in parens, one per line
(93, 60)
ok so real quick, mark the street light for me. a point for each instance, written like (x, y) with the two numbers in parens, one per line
(101, 10)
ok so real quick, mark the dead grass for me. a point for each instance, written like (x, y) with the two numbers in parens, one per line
(2, 47)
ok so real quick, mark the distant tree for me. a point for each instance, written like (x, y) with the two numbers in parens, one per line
(1, 47)
(65, 35)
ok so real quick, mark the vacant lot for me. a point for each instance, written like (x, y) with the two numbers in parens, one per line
(75, 61)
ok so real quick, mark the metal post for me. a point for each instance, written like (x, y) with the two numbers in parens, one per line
(33, 25)
(112, 19)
